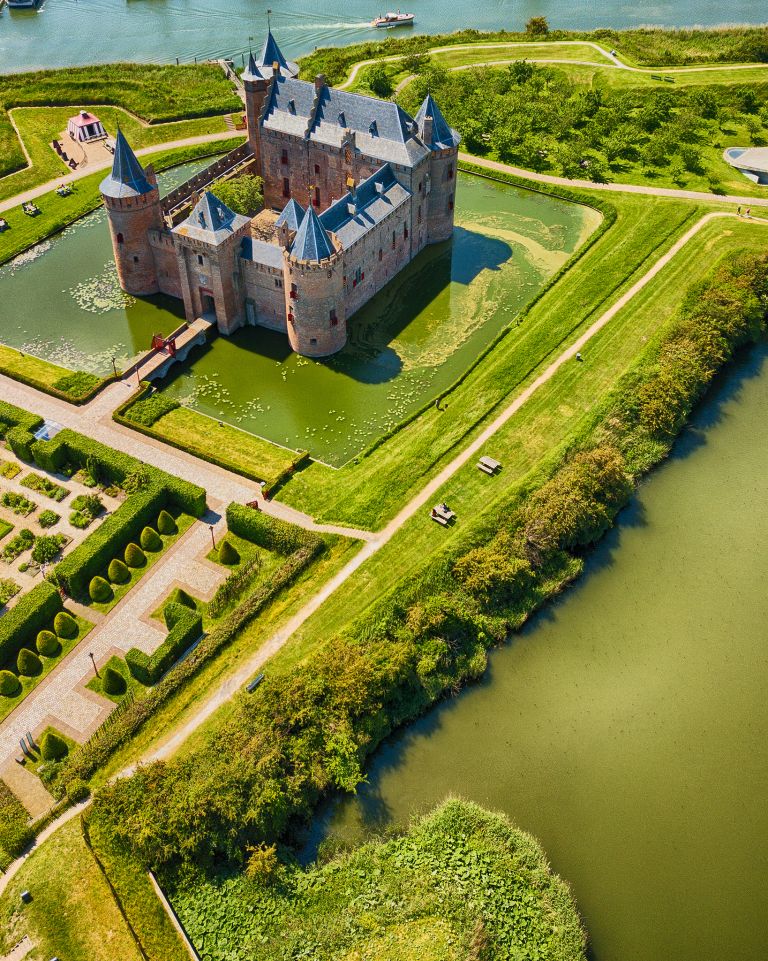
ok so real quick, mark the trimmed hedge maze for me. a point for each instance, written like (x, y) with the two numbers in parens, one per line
(185, 626)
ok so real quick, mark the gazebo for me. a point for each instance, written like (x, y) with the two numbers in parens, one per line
(85, 127)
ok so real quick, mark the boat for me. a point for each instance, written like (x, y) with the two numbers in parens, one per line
(390, 20)
(22, 4)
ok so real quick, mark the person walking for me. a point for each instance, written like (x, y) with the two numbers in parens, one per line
(738, 211)
(748, 212)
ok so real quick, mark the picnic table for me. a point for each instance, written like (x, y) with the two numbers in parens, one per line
(488, 465)
(442, 514)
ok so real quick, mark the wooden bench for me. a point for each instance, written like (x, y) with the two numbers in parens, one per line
(488, 465)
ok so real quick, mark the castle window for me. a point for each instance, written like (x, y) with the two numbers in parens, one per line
(286, 187)
(120, 238)
(294, 292)
(419, 213)
(278, 282)
(334, 318)
(450, 172)
(394, 239)
(342, 119)
(419, 186)
(135, 260)
(284, 157)
(317, 197)
(291, 318)
(373, 129)
(313, 340)
(200, 259)
(317, 168)
(381, 254)
(405, 231)
(292, 106)
(450, 205)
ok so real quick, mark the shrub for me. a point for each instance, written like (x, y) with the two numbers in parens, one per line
(268, 532)
(65, 625)
(180, 596)
(228, 553)
(28, 663)
(47, 547)
(53, 747)
(135, 556)
(47, 644)
(9, 684)
(150, 540)
(166, 524)
(148, 410)
(77, 790)
(117, 572)
(112, 681)
(100, 590)
(34, 611)
(48, 518)
(185, 627)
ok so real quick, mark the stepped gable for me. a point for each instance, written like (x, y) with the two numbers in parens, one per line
(374, 199)
(311, 241)
(443, 136)
(292, 215)
(260, 68)
(382, 129)
(128, 178)
(211, 221)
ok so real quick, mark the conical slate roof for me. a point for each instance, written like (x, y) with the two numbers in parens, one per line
(443, 136)
(127, 178)
(311, 242)
(292, 215)
(260, 68)
(211, 220)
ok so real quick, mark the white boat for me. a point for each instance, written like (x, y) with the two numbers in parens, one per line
(394, 20)
(22, 4)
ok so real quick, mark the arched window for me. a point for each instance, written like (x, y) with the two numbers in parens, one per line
(120, 238)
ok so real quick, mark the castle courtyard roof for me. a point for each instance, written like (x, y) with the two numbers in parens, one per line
(351, 217)
(292, 215)
(259, 251)
(382, 128)
(311, 242)
(211, 221)
(127, 178)
(443, 136)
(260, 68)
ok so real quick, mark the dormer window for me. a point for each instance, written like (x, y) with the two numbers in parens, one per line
(342, 119)
(292, 106)
(373, 130)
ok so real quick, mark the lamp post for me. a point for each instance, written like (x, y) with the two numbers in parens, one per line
(93, 661)
(114, 366)
(213, 539)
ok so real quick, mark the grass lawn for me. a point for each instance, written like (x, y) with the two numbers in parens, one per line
(183, 523)
(73, 914)
(5, 528)
(246, 549)
(119, 665)
(223, 444)
(31, 370)
(28, 684)
(58, 212)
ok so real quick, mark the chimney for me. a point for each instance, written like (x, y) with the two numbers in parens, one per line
(275, 68)
(426, 130)
(319, 82)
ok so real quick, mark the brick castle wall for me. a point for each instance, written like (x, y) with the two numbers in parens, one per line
(317, 320)
(265, 288)
(130, 221)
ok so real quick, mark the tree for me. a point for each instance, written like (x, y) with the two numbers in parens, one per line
(9, 684)
(137, 480)
(262, 862)
(228, 553)
(65, 625)
(112, 681)
(416, 62)
(537, 27)
(166, 524)
(47, 644)
(521, 71)
(53, 747)
(378, 80)
(135, 556)
(100, 590)
(677, 171)
(28, 663)
(117, 572)
(244, 194)
(150, 540)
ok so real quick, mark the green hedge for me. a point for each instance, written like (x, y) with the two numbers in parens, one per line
(268, 532)
(34, 612)
(185, 627)
(15, 831)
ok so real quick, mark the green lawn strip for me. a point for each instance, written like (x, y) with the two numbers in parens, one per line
(28, 684)
(183, 522)
(132, 686)
(15, 831)
(558, 413)
(72, 913)
(222, 444)
(32, 370)
(185, 702)
(364, 494)
(58, 212)
(246, 549)
(5, 528)
(524, 51)
(39, 126)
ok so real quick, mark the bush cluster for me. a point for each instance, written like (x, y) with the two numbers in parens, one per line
(34, 611)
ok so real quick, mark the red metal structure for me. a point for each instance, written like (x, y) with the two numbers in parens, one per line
(165, 344)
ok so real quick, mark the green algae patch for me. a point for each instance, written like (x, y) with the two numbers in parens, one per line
(462, 883)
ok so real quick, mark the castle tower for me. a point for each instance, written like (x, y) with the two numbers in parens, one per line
(257, 79)
(314, 290)
(132, 201)
(443, 142)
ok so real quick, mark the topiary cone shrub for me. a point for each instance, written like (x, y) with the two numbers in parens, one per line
(65, 625)
(228, 553)
(135, 556)
(166, 524)
(100, 590)
(112, 681)
(28, 663)
(150, 540)
(180, 596)
(47, 644)
(9, 684)
(53, 747)
(117, 572)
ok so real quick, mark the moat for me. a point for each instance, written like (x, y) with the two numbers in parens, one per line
(406, 346)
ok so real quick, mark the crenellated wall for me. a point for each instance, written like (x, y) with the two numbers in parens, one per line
(315, 306)
(130, 221)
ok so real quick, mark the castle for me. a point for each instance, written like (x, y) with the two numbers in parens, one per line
(361, 188)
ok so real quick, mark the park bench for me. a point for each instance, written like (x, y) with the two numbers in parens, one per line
(252, 685)
(488, 465)
(442, 514)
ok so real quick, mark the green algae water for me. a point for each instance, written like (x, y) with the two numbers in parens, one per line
(61, 300)
(407, 344)
(626, 727)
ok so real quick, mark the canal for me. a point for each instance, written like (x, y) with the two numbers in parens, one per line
(626, 725)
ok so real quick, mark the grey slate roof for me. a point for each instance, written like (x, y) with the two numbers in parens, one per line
(443, 136)
(311, 242)
(211, 221)
(127, 178)
(262, 253)
(383, 129)
(292, 215)
(374, 199)
(261, 67)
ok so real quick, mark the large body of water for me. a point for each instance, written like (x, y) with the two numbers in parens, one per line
(69, 32)
(626, 727)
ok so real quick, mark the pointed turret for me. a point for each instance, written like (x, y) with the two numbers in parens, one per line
(211, 221)
(292, 216)
(312, 241)
(261, 67)
(433, 127)
(128, 178)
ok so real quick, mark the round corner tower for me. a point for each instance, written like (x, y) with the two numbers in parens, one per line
(132, 201)
(443, 144)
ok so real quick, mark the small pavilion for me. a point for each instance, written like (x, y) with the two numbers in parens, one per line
(85, 127)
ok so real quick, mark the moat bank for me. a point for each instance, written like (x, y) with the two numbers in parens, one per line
(626, 727)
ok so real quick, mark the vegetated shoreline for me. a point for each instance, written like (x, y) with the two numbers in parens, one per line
(310, 729)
